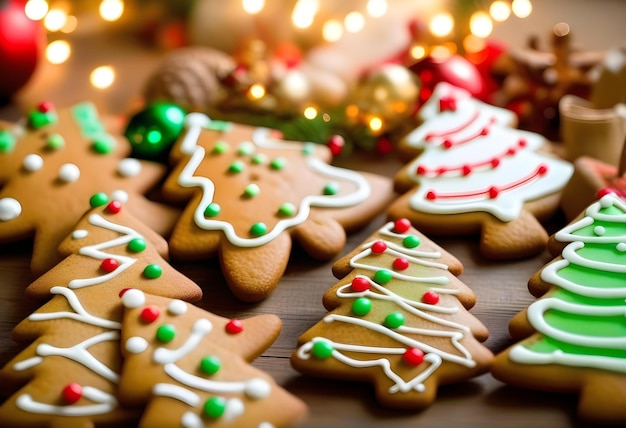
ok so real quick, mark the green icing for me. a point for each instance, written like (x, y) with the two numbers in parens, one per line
(549, 345)
(592, 278)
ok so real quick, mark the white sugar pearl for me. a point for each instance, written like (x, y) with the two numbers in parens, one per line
(177, 307)
(69, 173)
(599, 230)
(80, 234)
(621, 247)
(32, 162)
(120, 196)
(258, 388)
(9, 209)
(133, 298)
(136, 345)
(129, 167)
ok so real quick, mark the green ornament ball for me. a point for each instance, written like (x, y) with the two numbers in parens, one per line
(153, 130)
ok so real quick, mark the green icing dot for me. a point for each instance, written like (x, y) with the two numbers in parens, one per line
(55, 142)
(394, 320)
(362, 306)
(258, 229)
(278, 163)
(103, 145)
(236, 167)
(38, 119)
(210, 365)
(251, 190)
(411, 241)
(287, 209)
(383, 276)
(214, 407)
(259, 159)
(331, 189)
(220, 147)
(137, 245)
(322, 349)
(245, 149)
(212, 210)
(7, 141)
(98, 199)
(153, 271)
(166, 333)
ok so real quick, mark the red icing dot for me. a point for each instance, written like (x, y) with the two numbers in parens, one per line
(335, 144)
(484, 131)
(493, 192)
(511, 151)
(149, 314)
(421, 170)
(109, 265)
(400, 263)
(114, 207)
(605, 191)
(542, 169)
(447, 144)
(430, 297)
(379, 247)
(413, 356)
(123, 291)
(72, 393)
(402, 225)
(45, 106)
(495, 162)
(234, 327)
(441, 170)
(522, 142)
(466, 170)
(431, 195)
(360, 284)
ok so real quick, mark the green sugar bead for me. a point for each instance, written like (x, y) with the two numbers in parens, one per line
(394, 320)
(220, 147)
(251, 190)
(153, 271)
(322, 349)
(258, 229)
(103, 145)
(166, 333)
(236, 167)
(278, 163)
(214, 407)
(212, 210)
(331, 189)
(383, 276)
(38, 119)
(245, 149)
(210, 365)
(411, 241)
(55, 142)
(362, 306)
(7, 141)
(98, 199)
(137, 245)
(287, 209)
(259, 159)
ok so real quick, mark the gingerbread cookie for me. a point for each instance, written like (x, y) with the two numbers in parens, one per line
(49, 167)
(473, 175)
(191, 368)
(572, 338)
(249, 195)
(398, 319)
(68, 374)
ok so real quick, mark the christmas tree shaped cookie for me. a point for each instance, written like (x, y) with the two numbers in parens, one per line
(68, 374)
(191, 368)
(572, 339)
(52, 163)
(398, 319)
(473, 174)
(248, 195)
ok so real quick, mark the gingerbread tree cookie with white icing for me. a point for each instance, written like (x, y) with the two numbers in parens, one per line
(68, 374)
(473, 174)
(572, 339)
(52, 162)
(248, 195)
(191, 368)
(398, 319)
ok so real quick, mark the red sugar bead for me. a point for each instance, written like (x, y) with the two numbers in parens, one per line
(431, 195)
(72, 393)
(413, 356)
(542, 169)
(379, 247)
(335, 144)
(400, 263)
(466, 170)
(493, 192)
(149, 314)
(114, 207)
(522, 142)
(360, 284)
(234, 327)
(109, 265)
(447, 144)
(605, 191)
(421, 170)
(122, 291)
(45, 106)
(495, 162)
(484, 131)
(430, 297)
(402, 225)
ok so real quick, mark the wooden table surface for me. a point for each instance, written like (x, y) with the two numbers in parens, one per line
(501, 288)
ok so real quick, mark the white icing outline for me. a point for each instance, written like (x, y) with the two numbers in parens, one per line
(199, 330)
(106, 404)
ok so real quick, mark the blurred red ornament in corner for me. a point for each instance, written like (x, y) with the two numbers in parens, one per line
(455, 69)
(21, 45)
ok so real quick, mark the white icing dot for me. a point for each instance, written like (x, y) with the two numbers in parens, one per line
(234, 409)
(607, 200)
(9, 209)
(190, 420)
(133, 298)
(129, 167)
(177, 307)
(69, 173)
(32, 162)
(599, 230)
(621, 247)
(80, 234)
(120, 196)
(136, 345)
(202, 326)
(258, 388)
(266, 425)
(197, 119)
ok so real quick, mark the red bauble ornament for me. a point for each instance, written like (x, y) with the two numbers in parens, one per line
(21, 44)
(456, 70)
